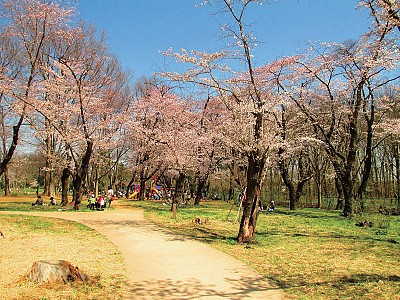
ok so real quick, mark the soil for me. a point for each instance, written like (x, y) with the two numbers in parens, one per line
(164, 265)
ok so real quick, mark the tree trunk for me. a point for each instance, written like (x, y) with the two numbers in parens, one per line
(368, 155)
(4, 149)
(177, 197)
(142, 186)
(294, 191)
(319, 195)
(348, 209)
(318, 179)
(292, 197)
(231, 192)
(339, 189)
(200, 188)
(48, 169)
(64, 186)
(344, 174)
(48, 181)
(11, 149)
(303, 175)
(129, 186)
(81, 174)
(78, 190)
(96, 181)
(6, 182)
(397, 165)
(256, 164)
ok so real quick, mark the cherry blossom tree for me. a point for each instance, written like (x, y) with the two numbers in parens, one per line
(246, 98)
(10, 69)
(210, 151)
(165, 128)
(28, 26)
(385, 13)
(294, 165)
(146, 150)
(341, 81)
(82, 95)
(173, 137)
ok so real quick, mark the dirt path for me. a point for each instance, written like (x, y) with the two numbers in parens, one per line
(163, 265)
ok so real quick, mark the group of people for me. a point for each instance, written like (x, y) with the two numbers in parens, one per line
(101, 202)
(39, 201)
(98, 203)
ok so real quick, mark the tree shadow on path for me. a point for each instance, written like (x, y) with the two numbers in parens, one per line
(243, 288)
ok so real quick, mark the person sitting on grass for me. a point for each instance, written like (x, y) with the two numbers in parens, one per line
(52, 201)
(39, 201)
(100, 205)
(271, 207)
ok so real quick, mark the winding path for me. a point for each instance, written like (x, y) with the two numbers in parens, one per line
(163, 265)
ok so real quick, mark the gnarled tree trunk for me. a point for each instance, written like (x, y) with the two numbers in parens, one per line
(66, 173)
(177, 197)
(81, 174)
(253, 194)
(201, 184)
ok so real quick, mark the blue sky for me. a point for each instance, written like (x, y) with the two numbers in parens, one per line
(138, 29)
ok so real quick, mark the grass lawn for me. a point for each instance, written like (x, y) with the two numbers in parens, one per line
(29, 239)
(310, 253)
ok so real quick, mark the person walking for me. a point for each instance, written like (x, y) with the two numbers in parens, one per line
(110, 195)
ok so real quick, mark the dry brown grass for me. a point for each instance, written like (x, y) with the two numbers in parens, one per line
(28, 239)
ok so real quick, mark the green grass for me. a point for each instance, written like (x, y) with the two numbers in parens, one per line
(25, 224)
(310, 253)
(24, 203)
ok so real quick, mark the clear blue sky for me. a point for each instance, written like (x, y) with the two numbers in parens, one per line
(138, 29)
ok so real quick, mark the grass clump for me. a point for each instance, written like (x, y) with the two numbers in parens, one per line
(310, 253)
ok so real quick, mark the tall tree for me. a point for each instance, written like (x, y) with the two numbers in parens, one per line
(83, 100)
(293, 164)
(29, 25)
(165, 126)
(344, 78)
(10, 70)
(246, 98)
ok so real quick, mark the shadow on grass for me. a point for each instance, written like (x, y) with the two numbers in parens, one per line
(208, 235)
(363, 278)
(329, 225)
(312, 214)
(340, 283)
(373, 237)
